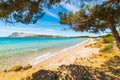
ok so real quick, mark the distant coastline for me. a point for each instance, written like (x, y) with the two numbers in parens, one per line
(31, 35)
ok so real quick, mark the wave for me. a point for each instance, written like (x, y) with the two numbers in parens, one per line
(40, 58)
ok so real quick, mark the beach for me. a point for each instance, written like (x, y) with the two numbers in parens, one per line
(66, 56)
(15, 51)
(60, 40)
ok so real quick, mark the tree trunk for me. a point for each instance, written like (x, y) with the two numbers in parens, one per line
(115, 34)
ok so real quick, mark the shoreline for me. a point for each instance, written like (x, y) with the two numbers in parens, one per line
(68, 55)
(83, 59)
(49, 55)
(52, 63)
(34, 58)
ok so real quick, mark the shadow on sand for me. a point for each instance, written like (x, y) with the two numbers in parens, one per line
(110, 70)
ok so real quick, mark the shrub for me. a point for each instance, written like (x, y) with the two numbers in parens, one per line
(108, 38)
(107, 48)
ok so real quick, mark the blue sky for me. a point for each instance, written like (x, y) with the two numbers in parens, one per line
(48, 24)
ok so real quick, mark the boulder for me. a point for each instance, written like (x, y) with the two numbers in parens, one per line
(28, 66)
(15, 68)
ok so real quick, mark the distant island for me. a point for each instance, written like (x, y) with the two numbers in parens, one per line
(32, 35)
(23, 35)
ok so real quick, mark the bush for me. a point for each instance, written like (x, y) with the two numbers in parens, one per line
(108, 38)
(107, 48)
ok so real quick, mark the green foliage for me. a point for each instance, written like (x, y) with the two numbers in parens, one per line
(96, 18)
(93, 18)
(30, 11)
(24, 11)
(107, 48)
(108, 38)
(45, 75)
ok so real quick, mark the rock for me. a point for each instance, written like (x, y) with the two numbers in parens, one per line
(27, 66)
(100, 54)
(5, 70)
(15, 68)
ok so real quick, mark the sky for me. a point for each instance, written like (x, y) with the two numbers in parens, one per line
(47, 25)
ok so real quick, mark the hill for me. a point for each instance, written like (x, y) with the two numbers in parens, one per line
(23, 35)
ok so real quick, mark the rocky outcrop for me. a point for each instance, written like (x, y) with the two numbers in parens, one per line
(15, 68)
(18, 68)
(28, 66)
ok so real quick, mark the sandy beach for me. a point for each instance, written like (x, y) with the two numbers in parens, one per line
(69, 55)
(66, 57)
(60, 40)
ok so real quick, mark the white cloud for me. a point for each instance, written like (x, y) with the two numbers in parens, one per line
(43, 31)
(69, 7)
(51, 13)
(8, 30)
(44, 23)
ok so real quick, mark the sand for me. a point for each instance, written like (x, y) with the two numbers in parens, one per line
(68, 56)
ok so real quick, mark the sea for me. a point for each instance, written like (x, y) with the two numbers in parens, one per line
(23, 51)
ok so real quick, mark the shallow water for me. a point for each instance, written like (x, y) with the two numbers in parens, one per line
(22, 50)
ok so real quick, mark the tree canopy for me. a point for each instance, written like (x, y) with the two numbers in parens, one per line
(24, 11)
(96, 18)
(28, 11)
(93, 18)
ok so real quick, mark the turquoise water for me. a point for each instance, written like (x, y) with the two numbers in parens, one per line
(12, 47)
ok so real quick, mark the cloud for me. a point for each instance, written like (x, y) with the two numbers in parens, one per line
(69, 7)
(43, 31)
(47, 11)
(8, 30)
(46, 23)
